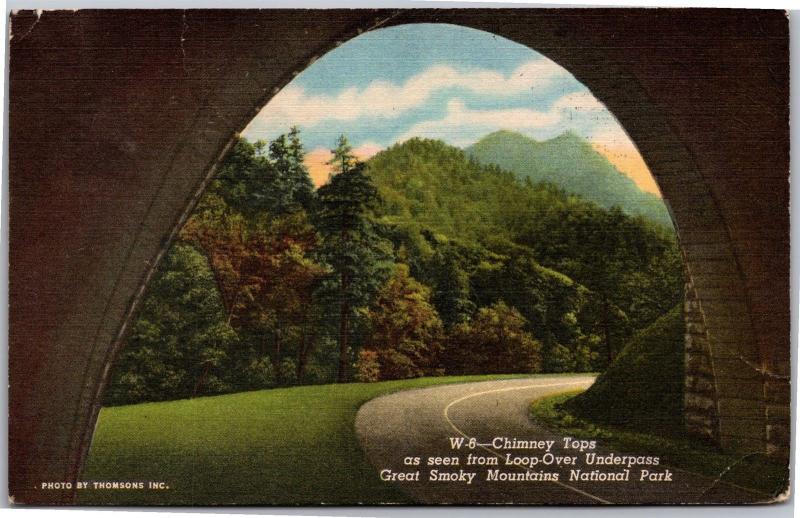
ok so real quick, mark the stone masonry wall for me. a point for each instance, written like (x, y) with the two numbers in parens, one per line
(700, 397)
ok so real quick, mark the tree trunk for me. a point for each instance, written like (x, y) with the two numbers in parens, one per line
(304, 351)
(344, 314)
(606, 332)
(201, 380)
(301, 354)
(276, 359)
(265, 346)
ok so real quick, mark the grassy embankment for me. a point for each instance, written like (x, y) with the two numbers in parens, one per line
(636, 406)
(288, 446)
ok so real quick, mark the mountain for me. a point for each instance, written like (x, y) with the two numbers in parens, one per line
(429, 184)
(477, 234)
(433, 189)
(571, 163)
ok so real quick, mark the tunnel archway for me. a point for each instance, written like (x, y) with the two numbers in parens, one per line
(212, 87)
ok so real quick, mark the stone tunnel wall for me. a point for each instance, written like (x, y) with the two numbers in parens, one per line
(117, 117)
(751, 392)
(700, 398)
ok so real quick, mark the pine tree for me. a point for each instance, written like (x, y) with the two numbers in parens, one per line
(293, 188)
(351, 245)
(343, 158)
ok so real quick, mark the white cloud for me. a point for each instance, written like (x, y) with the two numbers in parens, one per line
(461, 123)
(579, 111)
(388, 100)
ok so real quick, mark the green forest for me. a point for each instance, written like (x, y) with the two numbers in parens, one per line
(424, 260)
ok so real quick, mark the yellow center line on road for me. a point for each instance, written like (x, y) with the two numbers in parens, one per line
(446, 414)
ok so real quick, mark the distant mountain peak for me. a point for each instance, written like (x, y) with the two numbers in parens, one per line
(572, 163)
(505, 133)
(569, 136)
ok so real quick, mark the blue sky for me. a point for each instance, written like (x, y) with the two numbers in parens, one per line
(437, 81)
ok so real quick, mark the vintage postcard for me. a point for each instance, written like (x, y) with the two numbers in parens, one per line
(399, 256)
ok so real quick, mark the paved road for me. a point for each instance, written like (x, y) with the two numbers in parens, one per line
(420, 423)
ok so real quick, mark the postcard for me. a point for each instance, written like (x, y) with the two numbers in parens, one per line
(399, 256)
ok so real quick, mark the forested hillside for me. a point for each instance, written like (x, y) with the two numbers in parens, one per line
(585, 278)
(573, 164)
(421, 261)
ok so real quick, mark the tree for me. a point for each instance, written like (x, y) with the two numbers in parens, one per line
(495, 341)
(292, 277)
(651, 291)
(266, 274)
(343, 159)
(247, 180)
(405, 328)
(223, 234)
(252, 223)
(301, 179)
(179, 345)
(368, 369)
(258, 178)
(627, 263)
(293, 183)
(452, 288)
(351, 244)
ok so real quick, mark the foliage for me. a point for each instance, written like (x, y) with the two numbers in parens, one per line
(475, 233)
(549, 301)
(265, 272)
(406, 331)
(420, 261)
(493, 342)
(253, 227)
(452, 286)
(259, 374)
(293, 183)
(368, 369)
(257, 178)
(351, 244)
(179, 346)
(643, 389)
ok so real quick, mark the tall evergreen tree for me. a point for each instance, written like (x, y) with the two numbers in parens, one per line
(343, 158)
(293, 186)
(351, 245)
(302, 186)
(452, 289)
(247, 179)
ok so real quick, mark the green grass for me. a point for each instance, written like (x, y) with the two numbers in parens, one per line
(636, 406)
(643, 389)
(289, 446)
(677, 450)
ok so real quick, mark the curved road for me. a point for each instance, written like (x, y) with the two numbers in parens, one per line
(423, 423)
